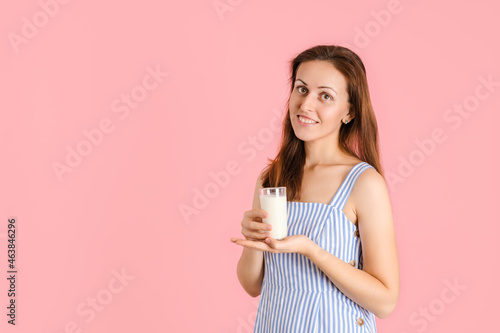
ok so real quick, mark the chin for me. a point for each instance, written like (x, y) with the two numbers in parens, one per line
(305, 138)
(303, 133)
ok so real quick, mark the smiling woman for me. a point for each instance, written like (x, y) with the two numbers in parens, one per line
(338, 266)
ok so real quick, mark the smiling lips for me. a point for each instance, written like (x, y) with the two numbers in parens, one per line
(306, 121)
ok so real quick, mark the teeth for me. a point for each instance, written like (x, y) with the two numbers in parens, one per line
(307, 121)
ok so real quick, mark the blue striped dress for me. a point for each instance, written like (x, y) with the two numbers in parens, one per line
(296, 296)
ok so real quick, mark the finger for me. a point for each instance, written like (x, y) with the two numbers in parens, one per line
(257, 228)
(277, 244)
(260, 226)
(255, 245)
(255, 235)
(273, 243)
(255, 213)
(234, 239)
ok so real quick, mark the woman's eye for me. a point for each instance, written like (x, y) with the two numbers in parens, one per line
(327, 97)
(301, 89)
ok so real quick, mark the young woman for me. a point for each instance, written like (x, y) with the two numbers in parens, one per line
(338, 267)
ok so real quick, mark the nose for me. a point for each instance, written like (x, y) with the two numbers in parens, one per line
(308, 103)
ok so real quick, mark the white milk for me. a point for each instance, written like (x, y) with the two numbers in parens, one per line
(276, 209)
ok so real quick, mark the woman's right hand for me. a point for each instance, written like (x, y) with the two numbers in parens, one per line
(252, 226)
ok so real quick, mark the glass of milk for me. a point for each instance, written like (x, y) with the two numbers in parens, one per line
(273, 200)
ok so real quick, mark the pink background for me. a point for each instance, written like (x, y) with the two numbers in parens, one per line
(119, 209)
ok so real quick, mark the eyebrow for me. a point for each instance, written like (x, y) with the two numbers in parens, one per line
(318, 87)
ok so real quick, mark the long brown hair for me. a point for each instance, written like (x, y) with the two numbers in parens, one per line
(359, 137)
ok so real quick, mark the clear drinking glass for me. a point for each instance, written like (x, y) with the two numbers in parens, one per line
(273, 200)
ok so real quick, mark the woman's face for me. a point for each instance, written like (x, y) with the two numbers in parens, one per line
(320, 94)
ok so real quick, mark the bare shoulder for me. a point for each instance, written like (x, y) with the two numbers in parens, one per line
(369, 190)
(370, 181)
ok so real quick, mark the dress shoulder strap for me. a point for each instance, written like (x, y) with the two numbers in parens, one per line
(340, 197)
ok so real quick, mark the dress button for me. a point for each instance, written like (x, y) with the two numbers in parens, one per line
(352, 263)
(356, 233)
(360, 322)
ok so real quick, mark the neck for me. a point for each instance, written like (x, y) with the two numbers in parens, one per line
(323, 153)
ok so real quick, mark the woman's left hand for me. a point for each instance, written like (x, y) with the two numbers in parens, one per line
(291, 244)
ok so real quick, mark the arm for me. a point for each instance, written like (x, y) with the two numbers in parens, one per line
(376, 287)
(250, 268)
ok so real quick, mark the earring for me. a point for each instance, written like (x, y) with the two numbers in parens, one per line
(345, 121)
